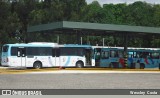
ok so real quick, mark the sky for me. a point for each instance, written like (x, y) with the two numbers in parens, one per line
(123, 1)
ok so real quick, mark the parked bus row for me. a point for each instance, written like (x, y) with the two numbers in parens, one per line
(40, 55)
(136, 57)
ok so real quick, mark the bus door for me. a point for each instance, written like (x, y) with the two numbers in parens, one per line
(97, 56)
(88, 56)
(56, 56)
(21, 57)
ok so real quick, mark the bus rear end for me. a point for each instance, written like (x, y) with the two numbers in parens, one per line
(5, 55)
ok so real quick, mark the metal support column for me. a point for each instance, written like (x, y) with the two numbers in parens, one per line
(58, 39)
(103, 42)
(81, 40)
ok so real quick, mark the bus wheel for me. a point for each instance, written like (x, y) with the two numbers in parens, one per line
(79, 64)
(37, 65)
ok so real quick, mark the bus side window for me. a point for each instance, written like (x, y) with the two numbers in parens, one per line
(97, 55)
(105, 55)
(134, 54)
(113, 54)
(138, 55)
(80, 51)
(56, 52)
(13, 51)
(155, 55)
(130, 54)
(120, 54)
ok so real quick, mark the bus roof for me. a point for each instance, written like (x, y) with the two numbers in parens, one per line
(76, 45)
(46, 44)
(129, 48)
(34, 44)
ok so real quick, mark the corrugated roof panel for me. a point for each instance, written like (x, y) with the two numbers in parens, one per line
(44, 27)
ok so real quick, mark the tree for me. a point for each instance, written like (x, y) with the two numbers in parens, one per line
(23, 8)
(4, 13)
(93, 13)
(20, 14)
(140, 14)
(75, 8)
(156, 16)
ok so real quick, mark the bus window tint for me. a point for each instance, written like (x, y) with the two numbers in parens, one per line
(5, 48)
(155, 55)
(37, 51)
(135, 55)
(105, 55)
(13, 51)
(120, 54)
(130, 54)
(113, 54)
(144, 54)
(80, 52)
(45, 51)
(69, 51)
(56, 52)
(97, 53)
(32, 51)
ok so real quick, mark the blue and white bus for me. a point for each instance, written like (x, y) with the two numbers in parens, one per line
(113, 57)
(40, 55)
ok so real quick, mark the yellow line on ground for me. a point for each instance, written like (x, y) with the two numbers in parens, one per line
(20, 71)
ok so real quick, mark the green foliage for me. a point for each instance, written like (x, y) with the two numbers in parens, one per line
(156, 16)
(140, 14)
(23, 13)
(93, 13)
(114, 14)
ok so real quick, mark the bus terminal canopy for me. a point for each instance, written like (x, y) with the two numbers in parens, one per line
(67, 25)
(82, 28)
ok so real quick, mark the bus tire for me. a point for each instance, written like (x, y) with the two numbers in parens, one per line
(37, 65)
(142, 66)
(79, 64)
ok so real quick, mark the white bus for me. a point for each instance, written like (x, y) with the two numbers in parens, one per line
(38, 55)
